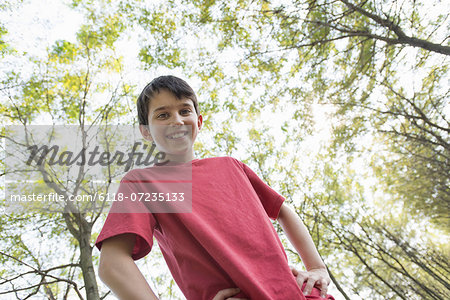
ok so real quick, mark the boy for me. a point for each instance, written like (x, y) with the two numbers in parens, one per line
(227, 245)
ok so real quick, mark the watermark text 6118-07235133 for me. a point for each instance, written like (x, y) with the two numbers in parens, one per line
(97, 196)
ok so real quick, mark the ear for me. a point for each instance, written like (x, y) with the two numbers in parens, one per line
(145, 132)
(200, 122)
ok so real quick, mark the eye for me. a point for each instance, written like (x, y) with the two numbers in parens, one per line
(185, 111)
(162, 116)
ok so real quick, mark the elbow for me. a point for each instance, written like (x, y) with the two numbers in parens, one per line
(115, 255)
(106, 267)
(111, 264)
(103, 268)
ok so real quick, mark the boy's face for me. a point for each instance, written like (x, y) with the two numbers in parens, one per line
(174, 126)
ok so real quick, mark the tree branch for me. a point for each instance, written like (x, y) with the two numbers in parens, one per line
(402, 37)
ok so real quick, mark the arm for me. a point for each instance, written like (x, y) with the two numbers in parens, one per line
(301, 240)
(119, 272)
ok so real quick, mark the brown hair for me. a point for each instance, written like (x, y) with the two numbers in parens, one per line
(175, 85)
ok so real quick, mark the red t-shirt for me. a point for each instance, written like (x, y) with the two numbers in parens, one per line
(226, 241)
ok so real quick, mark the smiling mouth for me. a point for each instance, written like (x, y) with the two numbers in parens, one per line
(177, 135)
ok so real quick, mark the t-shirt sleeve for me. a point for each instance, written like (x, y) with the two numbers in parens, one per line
(269, 198)
(123, 218)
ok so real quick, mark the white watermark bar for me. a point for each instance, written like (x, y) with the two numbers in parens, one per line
(94, 169)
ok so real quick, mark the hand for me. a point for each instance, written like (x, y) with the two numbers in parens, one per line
(226, 293)
(314, 277)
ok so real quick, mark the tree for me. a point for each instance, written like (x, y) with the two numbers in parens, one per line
(61, 90)
(395, 257)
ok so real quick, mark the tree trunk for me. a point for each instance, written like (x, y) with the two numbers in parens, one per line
(87, 268)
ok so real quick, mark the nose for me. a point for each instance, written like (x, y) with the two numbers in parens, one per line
(176, 120)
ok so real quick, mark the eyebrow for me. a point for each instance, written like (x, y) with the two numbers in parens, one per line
(186, 104)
